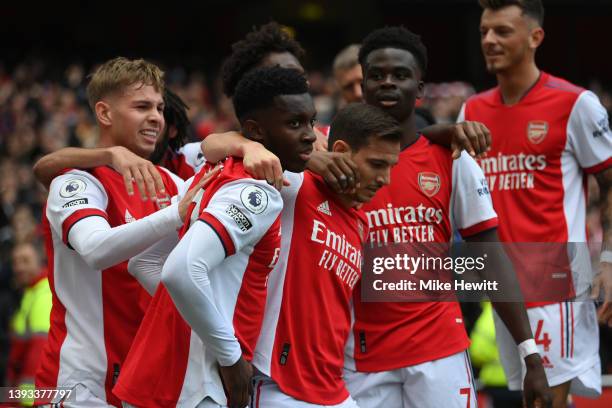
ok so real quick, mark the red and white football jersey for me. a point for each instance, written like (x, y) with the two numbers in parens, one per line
(96, 312)
(168, 364)
(542, 148)
(186, 161)
(429, 192)
(308, 314)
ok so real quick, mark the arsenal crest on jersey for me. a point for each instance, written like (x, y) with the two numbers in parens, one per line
(429, 183)
(536, 131)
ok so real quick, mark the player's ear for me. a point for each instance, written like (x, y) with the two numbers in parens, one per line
(103, 113)
(420, 89)
(340, 146)
(253, 131)
(536, 37)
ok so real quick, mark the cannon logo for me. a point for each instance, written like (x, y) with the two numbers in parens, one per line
(429, 183)
(537, 131)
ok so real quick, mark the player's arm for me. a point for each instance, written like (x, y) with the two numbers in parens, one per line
(258, 161)
(477, 223)
(76, 211)
(225, 227)
(590, 141)
(473, 137)
(146, 267)
(603, 280)
(132, 167)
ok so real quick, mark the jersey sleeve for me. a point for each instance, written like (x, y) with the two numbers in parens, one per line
(192, 152)
(588, 131)
(73, 196)
(179, 183)
(240, 213)
(471, 205)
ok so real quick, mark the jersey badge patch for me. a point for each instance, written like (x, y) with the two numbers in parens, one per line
(78, 201)
(254, 199)
(72, 187)
(238, 216)
(536, 131)
(429, 183)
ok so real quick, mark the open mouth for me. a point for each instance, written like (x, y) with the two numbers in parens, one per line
(150, 135)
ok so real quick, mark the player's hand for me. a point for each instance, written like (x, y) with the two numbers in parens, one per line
(603, 281)
(536, 392)
(237, 381)
(135, 168)
(202, 184)
(337, 169)
(320, 145)
(262, 164)
(473, 137)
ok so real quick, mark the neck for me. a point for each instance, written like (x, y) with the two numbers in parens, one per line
(347, 200)
(409, 132)
(104, 140)
(514, 84)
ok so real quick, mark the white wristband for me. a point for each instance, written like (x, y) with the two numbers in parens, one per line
(528, 347)
(606, 256)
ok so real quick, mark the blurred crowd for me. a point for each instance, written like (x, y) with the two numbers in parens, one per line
(44, 108)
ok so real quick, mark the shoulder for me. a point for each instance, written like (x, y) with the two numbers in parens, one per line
(74, 182)
(560, 85)
(486, 97)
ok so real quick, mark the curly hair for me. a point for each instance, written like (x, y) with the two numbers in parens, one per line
(394, 37)
(258, 88)
(248, 53)
(175, 114)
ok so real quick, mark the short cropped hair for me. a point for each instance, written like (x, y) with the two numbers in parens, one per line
(119, 73)
(531, 8)
(248, 53)
(357, 123)
(258, 88)
(394, 37)
(347, 58)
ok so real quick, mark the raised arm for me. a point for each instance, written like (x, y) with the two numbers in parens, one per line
(132, 167)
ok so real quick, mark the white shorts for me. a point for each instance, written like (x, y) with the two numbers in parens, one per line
(266, 394)
(567, 336)
(446, 382)
(205, 403)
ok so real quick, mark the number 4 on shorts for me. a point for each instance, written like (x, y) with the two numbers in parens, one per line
(542, 338)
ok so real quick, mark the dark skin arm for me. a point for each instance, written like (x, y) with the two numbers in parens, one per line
(514, 316)
(473, 137)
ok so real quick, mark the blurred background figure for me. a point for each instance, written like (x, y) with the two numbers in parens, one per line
(30, 323)
(348, 75)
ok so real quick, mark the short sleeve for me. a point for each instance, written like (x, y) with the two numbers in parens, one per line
(471, 199)
(73, 196)
(241, 212)
(192, 152)
(588, 131)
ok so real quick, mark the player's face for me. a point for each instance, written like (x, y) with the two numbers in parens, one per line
(349, 82)
(281, 59)
(137, 118)
(374, 162)
(506, 38)
(288, 130)
(392, 81)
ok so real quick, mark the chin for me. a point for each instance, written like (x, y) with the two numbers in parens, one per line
(296, 166)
